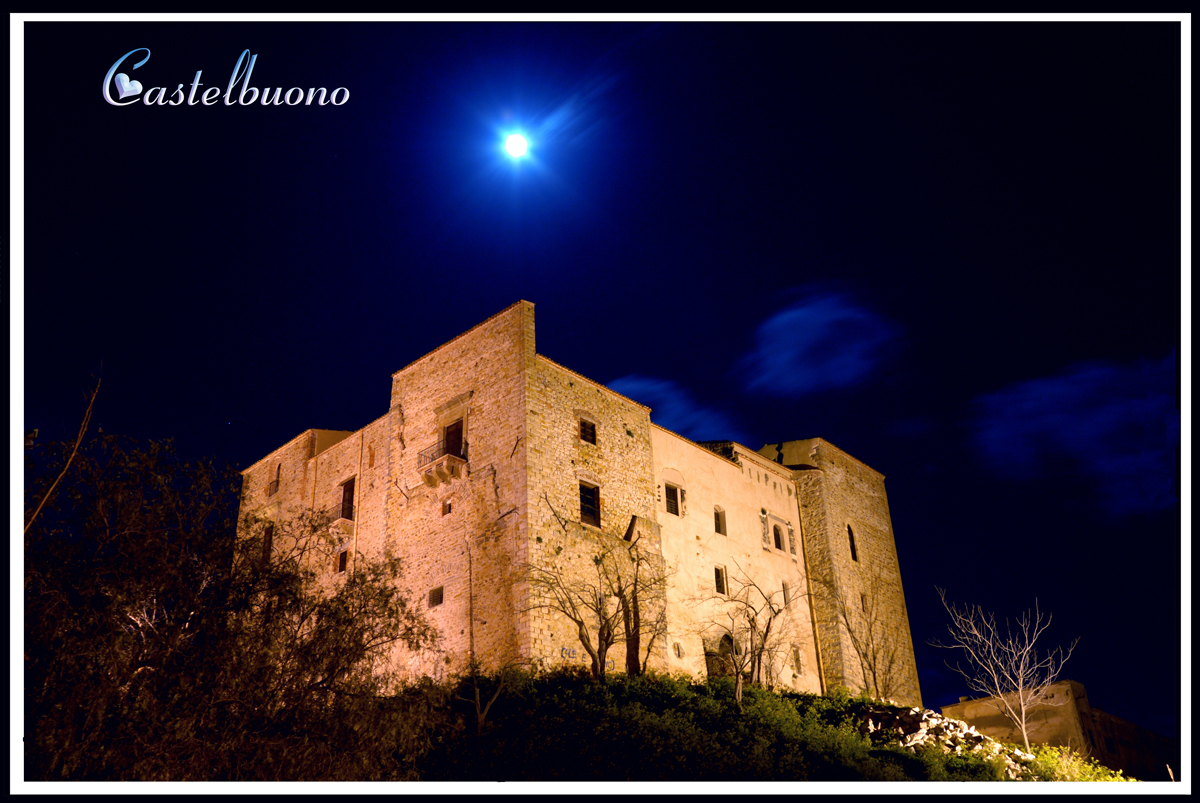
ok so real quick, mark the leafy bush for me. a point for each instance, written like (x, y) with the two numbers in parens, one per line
(563, 726)
(965, 767)
(1051, 763)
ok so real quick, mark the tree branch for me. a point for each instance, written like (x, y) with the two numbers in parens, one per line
(87, 416)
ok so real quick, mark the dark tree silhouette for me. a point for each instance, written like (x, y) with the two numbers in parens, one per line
(163, 642)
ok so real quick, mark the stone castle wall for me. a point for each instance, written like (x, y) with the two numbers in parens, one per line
(513, 504)
(750, 492)
(838, 496)
(619, 464)
(1067, 719)
(297, 465)
(465, 536)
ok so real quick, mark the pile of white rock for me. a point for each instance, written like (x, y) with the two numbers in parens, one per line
(917, 727)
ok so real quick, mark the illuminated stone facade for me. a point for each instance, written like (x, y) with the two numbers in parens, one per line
(492, 459)
(1067, 719)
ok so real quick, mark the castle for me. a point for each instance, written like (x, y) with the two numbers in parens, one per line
(505, 481)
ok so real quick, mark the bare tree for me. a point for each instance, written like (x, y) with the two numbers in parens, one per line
(655, 625)
(606, 601)
(861, 617)
(87, 417)
(1005, 665)
(644, 581)
(753, 631)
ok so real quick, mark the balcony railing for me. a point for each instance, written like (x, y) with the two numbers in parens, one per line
(438, 450)
(340, 511)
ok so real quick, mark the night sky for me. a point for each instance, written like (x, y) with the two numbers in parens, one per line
(951, 249)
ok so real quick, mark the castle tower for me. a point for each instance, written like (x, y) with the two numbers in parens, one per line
(854, 574)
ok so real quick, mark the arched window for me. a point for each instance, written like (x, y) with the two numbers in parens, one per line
(719, 520)
(727, 655)
(720, 658)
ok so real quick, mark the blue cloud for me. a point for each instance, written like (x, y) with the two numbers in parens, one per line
(821, 342)
(1118, 425)
(673, 406)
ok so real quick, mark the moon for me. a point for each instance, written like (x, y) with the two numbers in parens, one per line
(516, 145)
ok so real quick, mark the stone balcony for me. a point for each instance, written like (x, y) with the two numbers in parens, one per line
(442, 462)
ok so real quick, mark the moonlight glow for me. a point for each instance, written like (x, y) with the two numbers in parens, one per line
(516, 145)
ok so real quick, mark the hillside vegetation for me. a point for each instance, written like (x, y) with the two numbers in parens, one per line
(562, 726)
(160, 645)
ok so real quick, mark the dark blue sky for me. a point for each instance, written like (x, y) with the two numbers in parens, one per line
(953, 250)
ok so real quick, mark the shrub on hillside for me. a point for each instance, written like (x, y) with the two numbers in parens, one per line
(1052, 763)
(562, 726)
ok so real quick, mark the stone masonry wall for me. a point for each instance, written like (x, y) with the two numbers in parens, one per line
(743, 488)
(294, 465)
(513, 506)
(1067, 719)
(842, 493)
(329, 471)
(467, 535)
(619, 463)
(814, 523)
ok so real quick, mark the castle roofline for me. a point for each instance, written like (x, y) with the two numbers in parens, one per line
(739, 449)
(661, 428)
(348, 433)
(462, 335)
(546, 359)
(815, 441)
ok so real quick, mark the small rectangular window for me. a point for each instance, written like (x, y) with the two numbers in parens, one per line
(589, 504)
(797, 664)
(672, 500)
(719, 579)
(273, 485)
(719, 521)
(853, 550)
(447, 506)
(787, 594)
(341, 561)
(347, 511)
(587, 431)
(435, 597)
(268, 542)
